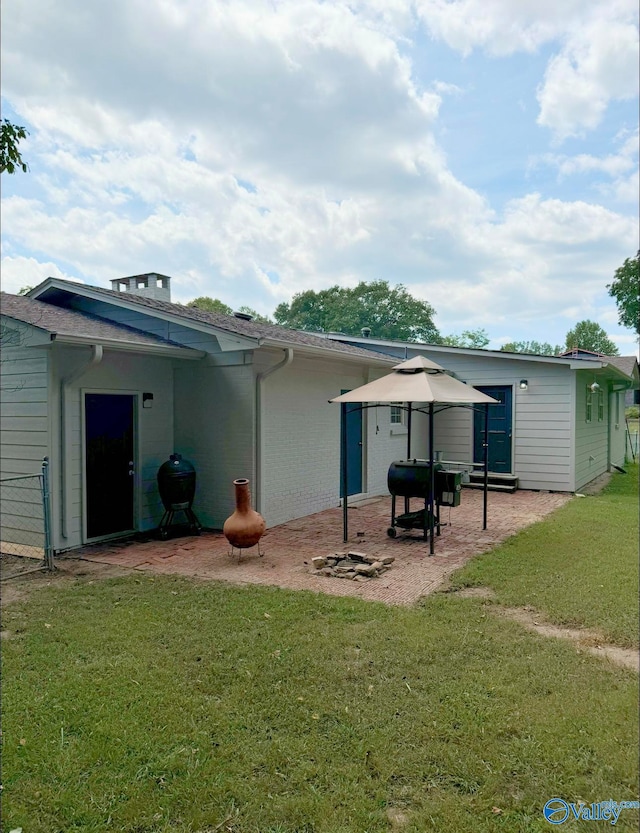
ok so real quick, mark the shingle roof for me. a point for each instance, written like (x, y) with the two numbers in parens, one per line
(231, 324)
(627, 364)
(63, 321)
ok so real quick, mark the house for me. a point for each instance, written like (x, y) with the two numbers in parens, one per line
(560, 422)
(109, 382)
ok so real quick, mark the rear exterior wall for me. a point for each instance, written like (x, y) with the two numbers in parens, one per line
(301, 438)
(214, 430)
(118, 372)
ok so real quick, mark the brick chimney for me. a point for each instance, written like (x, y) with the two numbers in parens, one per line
(150, 285)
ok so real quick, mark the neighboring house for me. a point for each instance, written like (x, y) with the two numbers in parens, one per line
(109, 383)
(561, 420)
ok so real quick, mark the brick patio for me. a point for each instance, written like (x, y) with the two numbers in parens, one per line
(289, 548)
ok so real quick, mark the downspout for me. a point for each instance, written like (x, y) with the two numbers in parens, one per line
(95, 358)
(257, 490)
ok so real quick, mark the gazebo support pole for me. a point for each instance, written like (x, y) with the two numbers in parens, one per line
(486, 465)
(409, 415)
(432, 477)
(343, 471)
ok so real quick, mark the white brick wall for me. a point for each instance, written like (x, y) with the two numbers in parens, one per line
(301, 467)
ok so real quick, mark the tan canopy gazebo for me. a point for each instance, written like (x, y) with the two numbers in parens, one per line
(428, 384)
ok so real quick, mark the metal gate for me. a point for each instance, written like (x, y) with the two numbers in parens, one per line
(25, 517)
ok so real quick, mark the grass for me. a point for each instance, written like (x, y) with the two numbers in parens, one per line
(158, 705)
(579, 567)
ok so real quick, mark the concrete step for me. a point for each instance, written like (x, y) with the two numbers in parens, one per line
(497, 482)
(492, 487)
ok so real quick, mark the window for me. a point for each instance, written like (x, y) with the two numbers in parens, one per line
(396, 414)
(589, 405)
(600, 405)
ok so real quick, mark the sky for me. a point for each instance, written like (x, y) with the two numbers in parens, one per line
(482, 153)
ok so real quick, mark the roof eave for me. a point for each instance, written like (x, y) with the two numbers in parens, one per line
(168, 350)
(329, 353)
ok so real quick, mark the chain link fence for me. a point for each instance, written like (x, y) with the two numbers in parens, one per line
(25, 518)
(632, 440)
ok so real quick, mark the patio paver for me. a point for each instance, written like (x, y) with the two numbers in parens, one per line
(290, 547)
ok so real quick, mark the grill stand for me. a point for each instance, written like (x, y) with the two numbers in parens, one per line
(195, 528)
(422, 519)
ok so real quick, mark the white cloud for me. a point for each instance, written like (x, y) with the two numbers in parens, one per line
(271, 148)
(621, 168)
(596, 41)
(19, 271)
(598, 63)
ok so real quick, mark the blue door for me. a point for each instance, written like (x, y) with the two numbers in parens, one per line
(500, 429)
(109, 473)
(354, 449)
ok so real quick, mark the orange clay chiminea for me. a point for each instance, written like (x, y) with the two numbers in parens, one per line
(245, 527)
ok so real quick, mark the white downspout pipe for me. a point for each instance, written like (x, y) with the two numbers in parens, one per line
(94, 359)
(257, 491)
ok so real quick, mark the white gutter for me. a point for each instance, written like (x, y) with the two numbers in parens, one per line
(257, 491)
(95, 358)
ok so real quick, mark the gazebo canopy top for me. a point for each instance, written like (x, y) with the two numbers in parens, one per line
(417, 380)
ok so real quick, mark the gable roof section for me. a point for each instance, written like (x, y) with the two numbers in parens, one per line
(620, 365)
(262, 335)
(70, 326)
(627, 364)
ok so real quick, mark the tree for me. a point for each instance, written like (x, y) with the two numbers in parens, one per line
(535, 348)
(24, 290)
(263, 319)
(625, 289)
(10, 157)
(588, 335)
(387, 312)
(204, 302)
(477, 339)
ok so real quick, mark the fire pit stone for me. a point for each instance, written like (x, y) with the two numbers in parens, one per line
(356, 566)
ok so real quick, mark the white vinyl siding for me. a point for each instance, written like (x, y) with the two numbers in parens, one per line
(542, 418)
(153, 430)
(591, 441)
(24, 407)
(543, 415)
(24, 423)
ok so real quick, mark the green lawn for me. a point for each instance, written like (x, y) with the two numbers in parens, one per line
(580, 567)
(159, 705)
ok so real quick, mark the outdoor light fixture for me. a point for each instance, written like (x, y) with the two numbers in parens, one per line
(595, 387)
(147, 400)
(523, 384)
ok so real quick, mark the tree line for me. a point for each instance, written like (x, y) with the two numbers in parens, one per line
(381, 311)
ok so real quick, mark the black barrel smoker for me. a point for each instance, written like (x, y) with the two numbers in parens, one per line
(177, 487)
(412, 478)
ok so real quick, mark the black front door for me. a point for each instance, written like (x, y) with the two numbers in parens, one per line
(499, 429)
(109, 459)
